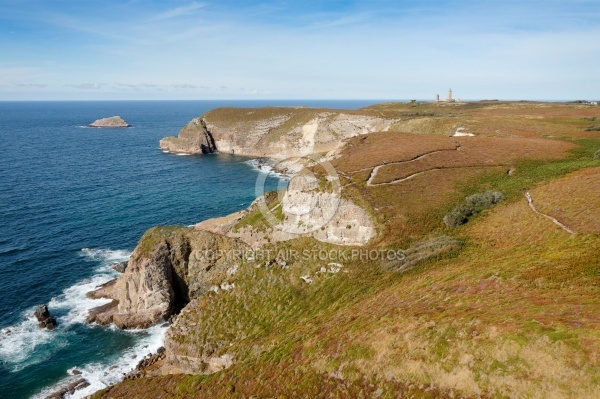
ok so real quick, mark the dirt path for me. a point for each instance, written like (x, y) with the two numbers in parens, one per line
(556, 222)
(429, 170)
(376, 168)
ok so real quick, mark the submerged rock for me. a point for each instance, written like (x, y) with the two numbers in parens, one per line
(45, 319)
(113, 121)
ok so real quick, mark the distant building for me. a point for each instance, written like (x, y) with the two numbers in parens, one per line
(449, 99)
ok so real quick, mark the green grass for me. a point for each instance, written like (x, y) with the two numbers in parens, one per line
(492, 309)
(531, 173)
(154, 236)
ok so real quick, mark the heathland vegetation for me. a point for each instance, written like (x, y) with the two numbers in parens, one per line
(505, 305)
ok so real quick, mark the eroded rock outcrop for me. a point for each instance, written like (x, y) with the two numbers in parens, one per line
(111, 122)
(44, 318)
(170, 266)
(119, 267)
(274, 132)
(307, 208)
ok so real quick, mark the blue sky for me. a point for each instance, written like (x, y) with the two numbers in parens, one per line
(377, 49)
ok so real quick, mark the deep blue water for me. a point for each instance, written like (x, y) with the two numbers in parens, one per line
(75, 199)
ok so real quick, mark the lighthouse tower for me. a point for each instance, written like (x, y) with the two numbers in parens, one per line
(449, 95)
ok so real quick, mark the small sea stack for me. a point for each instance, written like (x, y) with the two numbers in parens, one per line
(45, 319)
(111, 122)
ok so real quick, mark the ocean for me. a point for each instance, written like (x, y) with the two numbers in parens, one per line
(75, 199)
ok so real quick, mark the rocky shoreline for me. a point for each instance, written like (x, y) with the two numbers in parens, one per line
(149, 362)
(66, 391)
(142, 369)
(167, 271)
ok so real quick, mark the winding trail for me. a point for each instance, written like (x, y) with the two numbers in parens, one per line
(416, 158)
(556, 222)
(375, 169)
(429, 170)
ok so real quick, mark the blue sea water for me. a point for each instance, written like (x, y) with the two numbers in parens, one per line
(73, 200)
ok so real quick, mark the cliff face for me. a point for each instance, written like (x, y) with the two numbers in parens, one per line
(169, 267)
(306, 209)
(274, 132)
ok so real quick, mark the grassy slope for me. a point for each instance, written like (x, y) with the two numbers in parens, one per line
(513, 314)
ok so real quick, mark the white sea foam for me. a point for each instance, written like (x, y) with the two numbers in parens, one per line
(75, 301)
(25, 344)
(103, 374)
(18, 343)
(262, 167)
(182, 154)
(106, 255)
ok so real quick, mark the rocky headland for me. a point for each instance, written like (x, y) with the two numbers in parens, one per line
(273, 132)
(416, 324)
(111, 122)
(169, 266)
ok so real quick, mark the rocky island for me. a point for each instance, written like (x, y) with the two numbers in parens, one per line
(111, 122)
(385, 299)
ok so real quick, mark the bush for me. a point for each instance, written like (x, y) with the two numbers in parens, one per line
(597, 154)
(458, 216)
(473, 204)
(593, 128)
(484, 200)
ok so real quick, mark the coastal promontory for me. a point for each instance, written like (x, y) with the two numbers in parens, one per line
(380, 297)
(113, 121)
(274, 132)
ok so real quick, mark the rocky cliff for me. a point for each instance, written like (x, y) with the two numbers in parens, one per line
(274, 132)
(309, 207)
(169, 267)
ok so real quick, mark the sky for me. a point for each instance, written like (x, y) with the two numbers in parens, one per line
(299, 49)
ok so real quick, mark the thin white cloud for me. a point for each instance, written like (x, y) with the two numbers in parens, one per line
(378, 50)
(87, 86)
(134, 86)
(178, 11)
(184, 86)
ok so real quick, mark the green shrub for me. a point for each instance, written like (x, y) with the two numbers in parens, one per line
(597, 154)
(482, 201)
(473, 205)
(458, 216)
(593, 128)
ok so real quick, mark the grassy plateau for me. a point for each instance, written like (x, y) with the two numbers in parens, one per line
(506, 305)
